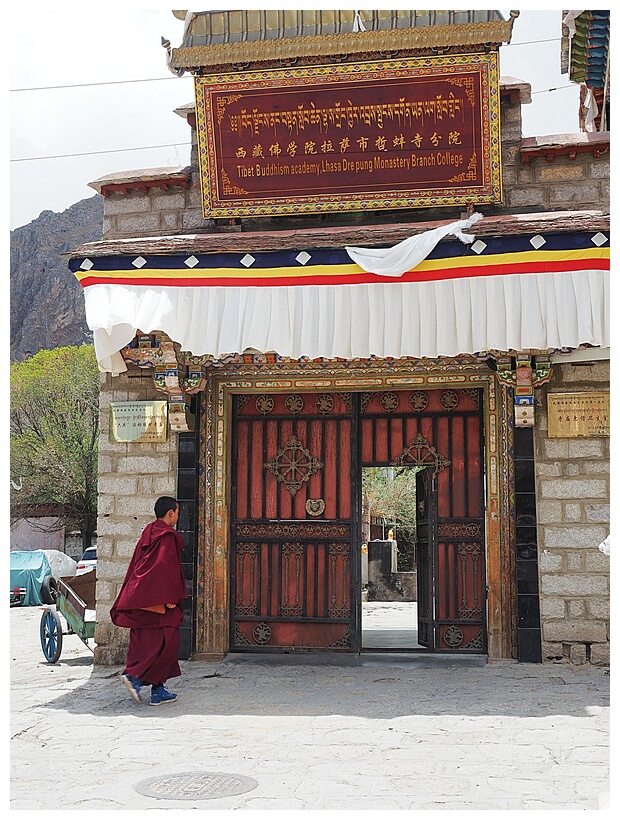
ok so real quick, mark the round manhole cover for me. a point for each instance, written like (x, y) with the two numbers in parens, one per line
(196, 786)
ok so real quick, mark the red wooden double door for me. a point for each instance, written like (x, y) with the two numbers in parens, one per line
(296, 530)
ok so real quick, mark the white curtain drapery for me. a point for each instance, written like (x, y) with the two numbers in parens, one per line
(391, 319)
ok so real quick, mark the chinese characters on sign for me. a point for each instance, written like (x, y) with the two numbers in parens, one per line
(391, 134)
(578, 415)
(138, 421)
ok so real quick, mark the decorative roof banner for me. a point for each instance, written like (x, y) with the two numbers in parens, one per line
(403, 133)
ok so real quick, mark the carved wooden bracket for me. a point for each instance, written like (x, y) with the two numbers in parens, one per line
(171, 375)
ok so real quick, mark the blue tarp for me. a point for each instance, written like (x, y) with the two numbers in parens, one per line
(28, 569)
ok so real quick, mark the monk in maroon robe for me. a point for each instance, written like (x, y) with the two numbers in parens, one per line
(148, 605)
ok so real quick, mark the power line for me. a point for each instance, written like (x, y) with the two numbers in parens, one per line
(90, 85)
(159, 79)
(93, 153)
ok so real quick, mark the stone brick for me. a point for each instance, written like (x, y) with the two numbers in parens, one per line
(594, 373)
(574, 585)
(599, 169)
(192, 219)
(165, 485)
(572, 513)
(552, 608)
(599, 467)
(585, 448)
(174, 201)
(548, 469)
(573, 488)
(125, 547)
(136, 505)
(559, 172)
(170, 221)
(145, 464)
(522, 197)
(136, 225)
(599, 654)
(574, 562)
(552, 651)
(127, 204)
(598, 608)
(549, 512)
(571, 631)
(576, 608)
(597, 561)
(105, 546)
(114, 484)
(105, 503)
(572, 537)
(511, 154)
(109, 526)
(550, 562)
(574, 194)
(554, 449)
(577, 654)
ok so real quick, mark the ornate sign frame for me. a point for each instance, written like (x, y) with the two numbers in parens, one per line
(389, 134)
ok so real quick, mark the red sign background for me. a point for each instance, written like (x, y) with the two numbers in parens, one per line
(382, 134)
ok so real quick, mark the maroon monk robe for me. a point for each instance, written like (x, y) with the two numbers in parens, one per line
(154, 576)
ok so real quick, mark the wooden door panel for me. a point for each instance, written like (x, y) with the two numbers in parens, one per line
(292, 568)
(442, 431)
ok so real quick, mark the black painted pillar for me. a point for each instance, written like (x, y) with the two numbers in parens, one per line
(186, 496)
(528, 603)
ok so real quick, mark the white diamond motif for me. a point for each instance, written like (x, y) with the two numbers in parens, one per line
(599, 239)
(86, 264)
(538, 241)
(139, 262)
(191, 262)
(248, 260)
(303, 257)
(478, 246)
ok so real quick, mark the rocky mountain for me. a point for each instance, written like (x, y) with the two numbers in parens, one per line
(46, 300)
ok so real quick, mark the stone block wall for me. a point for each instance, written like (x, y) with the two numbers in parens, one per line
(573, 509)
(131, 478)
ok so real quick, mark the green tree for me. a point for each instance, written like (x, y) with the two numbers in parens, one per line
(391, 493)
(54, 419)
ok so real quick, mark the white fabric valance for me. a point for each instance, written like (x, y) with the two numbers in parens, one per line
(541, 311)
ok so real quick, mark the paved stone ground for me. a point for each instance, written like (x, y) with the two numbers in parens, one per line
(370, 732)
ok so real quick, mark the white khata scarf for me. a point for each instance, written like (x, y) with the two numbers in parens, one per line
(406, 255)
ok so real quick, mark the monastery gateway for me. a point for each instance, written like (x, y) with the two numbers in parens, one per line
(365, 271)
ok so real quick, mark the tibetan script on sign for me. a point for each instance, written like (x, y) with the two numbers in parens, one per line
(578, 415)
(391, 134)
(138, 421)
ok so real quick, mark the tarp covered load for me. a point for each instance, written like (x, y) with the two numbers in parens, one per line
(28, 569)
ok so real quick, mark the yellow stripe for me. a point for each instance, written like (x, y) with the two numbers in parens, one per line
(336, 271)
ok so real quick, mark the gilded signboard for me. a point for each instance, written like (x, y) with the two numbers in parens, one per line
(138, 421)
(578, 415)
(414, 132)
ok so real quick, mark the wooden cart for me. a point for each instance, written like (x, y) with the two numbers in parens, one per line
(75, 601)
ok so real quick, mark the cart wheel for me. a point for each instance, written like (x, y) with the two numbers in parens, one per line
(51, 635)
(49, 590)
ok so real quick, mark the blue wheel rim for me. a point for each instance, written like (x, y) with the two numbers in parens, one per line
(49, 635)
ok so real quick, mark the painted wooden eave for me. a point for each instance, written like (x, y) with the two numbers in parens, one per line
(337, 237)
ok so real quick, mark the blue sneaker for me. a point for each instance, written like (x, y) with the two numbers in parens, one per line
(133, 686)
(160, 695)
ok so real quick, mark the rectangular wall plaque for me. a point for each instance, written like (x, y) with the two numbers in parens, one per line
(578, 415)
(403, 133)
(138, 421)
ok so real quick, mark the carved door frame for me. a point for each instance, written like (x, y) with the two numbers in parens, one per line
(212, 620)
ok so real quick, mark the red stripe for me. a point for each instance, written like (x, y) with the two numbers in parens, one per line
(438, 274)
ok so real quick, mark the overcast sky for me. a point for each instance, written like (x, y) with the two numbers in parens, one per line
(95, 87)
